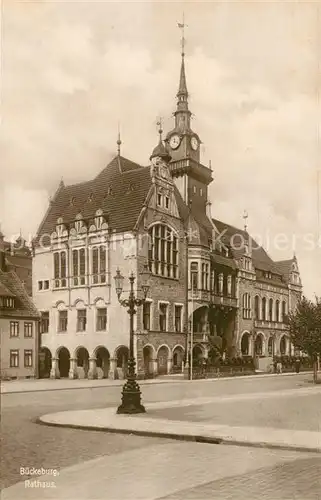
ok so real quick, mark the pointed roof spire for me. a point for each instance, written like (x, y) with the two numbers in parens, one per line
(160, 149)
(182, 90)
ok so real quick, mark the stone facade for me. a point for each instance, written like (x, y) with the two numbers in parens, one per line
(202, 285)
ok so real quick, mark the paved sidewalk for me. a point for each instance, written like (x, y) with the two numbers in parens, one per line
(37, 385)
(155, 472)
(106, 420)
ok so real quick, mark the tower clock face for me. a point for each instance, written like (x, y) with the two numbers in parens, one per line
(194, 143)
(174, 141)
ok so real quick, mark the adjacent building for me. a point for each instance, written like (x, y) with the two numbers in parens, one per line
(18, 258)
(206, 276)
(18, 326)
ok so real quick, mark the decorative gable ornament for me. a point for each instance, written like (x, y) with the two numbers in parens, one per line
(99, 222)
(61, 231)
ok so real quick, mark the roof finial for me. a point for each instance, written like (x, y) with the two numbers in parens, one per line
(182, 89)
(182, 26)
(210, 164)
(118, 141)
(245, 217)
(160, 129)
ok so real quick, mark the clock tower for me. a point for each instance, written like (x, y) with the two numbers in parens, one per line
(191, 177)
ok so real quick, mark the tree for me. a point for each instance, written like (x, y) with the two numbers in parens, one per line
(305, 329)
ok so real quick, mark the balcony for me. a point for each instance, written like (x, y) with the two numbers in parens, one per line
(223, 300)
(272, 325)
(199, 295)
(200, 337)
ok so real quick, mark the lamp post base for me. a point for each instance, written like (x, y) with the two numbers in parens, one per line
(131, 399)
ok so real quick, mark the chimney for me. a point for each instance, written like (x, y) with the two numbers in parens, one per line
(3, 266)
(2, 253)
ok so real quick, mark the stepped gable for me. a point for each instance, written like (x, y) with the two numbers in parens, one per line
(24, 306)
(120, 190)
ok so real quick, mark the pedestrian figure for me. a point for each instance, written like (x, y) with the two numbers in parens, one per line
(274, 366)
(297, 365)
(279, 367)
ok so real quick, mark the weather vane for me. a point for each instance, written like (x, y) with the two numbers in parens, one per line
(245, 217)
(160, 127)
(182, 26)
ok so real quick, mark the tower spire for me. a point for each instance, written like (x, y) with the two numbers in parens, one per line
(182, 90)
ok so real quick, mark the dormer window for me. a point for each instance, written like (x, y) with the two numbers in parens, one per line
(90, 197)
(72, 200)
(159, 199)
(166, 201)
(7, 302)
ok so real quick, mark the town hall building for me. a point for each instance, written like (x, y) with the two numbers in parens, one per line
(207, 277)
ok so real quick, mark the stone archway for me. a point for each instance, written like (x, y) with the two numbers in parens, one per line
(162, 360)
(149, 356)
(283, 344)
(45, 358)
(122, 355)
(102, 361)
(178, 358)
(63, 362)
(271, 346)
(258, 345)
(198, 354)
(82, 357)
(245, 344)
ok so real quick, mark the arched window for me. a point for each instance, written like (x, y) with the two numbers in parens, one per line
(264, 308)
(163, 251)
(246, 306)
(271, 310)
(271, 346)
(277, 310)
(257, 307)
(283, 310)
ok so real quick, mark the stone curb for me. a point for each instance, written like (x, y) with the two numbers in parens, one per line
(107, 421)
(154, 381)
(184, 437)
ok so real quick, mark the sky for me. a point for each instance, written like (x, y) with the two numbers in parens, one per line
(71, 71)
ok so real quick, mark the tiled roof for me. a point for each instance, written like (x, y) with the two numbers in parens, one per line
(24, 305)
(120, 190)
(285, 267)
(224, 261)
(5, 292)
(234, 237)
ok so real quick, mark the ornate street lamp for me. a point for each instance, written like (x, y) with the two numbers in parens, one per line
(131, 394)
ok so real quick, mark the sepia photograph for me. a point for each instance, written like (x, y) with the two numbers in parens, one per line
(160, 249)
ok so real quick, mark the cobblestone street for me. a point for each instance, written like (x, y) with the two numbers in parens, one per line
(213, 471)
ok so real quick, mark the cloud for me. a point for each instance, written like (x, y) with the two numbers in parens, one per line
(71, 72)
